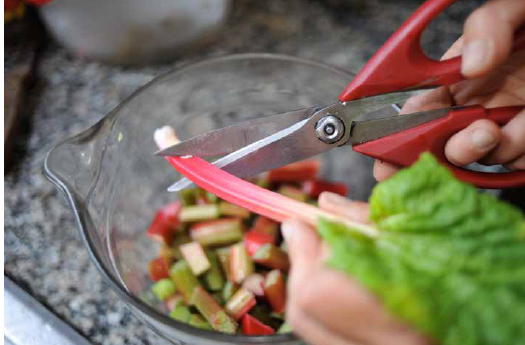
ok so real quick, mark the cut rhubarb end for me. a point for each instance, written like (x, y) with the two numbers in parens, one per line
(252, 326)
(199, 212)
(158, 268)
(298, 171)
(253, 240)
(240, 303)
(232, 210)
(275, 291)
(172, 301)
(217, 232)
(161, 228)
(315, 187)
(240, 263)
(267, 226)
(184, 279)
(199, 322)
(164, 288)
(181, 313)
(271, 256)
(292, 192)
(194, 255)
(254, 283)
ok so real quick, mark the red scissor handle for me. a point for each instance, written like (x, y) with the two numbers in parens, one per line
(403, 148)
(401, 63)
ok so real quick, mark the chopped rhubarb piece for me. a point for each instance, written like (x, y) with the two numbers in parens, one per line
(217, 296)
(271, 256)
(224, 258)
(315, 187)
(184, 279)
(172, 212)
(213, 312)
(292, 192)
(172, 301)
(161, 229)
(158, 268)
(266, 225)
(201, 197)
(298, 171)
(213, 278)
(254, 283)
(240, 303)
(164, 288)
(240, 263)
(232, 210)
(275, 291)
(199, 322)
(199, 212)
(194, 255)
(228, 290)
(217, 232)
(181, 313)
(252, 326)
(212, 197)
(253, 239)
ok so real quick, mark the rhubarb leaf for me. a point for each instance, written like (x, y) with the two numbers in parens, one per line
(448, 260)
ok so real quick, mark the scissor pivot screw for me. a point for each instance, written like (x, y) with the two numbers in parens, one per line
(330, 129)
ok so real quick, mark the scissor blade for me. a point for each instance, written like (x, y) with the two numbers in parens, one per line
(292, 144)
(363, 131)
(232, 138)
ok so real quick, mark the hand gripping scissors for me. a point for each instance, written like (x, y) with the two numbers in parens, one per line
(398, 67)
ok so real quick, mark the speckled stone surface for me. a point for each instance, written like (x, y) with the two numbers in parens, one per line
(43, 252)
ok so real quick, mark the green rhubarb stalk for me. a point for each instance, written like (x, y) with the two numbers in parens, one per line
(181, 313)
(199, 322)
(184, 279)
(285, 328)
(271, 256)
(194, 255)
(187, 196)
(164, 288)
(223, 254)
(213, 279)
(199, 212)
(217, 232)
(217, 296)
(213, 312)
(232, 210)
(228, 290)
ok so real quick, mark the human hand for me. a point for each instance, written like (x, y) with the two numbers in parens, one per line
(327, 307)
(495, 78)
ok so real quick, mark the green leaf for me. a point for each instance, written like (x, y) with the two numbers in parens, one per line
(448, 260)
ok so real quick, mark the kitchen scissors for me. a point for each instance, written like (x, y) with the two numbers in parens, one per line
(398, 67)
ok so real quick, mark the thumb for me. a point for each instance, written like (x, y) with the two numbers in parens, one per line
(304, 246)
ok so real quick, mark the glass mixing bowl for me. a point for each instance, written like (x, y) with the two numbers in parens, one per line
(114, 183)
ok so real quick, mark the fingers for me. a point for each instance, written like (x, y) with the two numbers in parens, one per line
(353, 210)
(472, 143)
(512, 142)
(488, 35)
(435, 99)
(304, 246)
(383, 170)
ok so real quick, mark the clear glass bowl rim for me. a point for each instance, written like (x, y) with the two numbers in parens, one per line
(81, 214)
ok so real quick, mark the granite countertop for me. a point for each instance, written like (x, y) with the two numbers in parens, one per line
(43, 252)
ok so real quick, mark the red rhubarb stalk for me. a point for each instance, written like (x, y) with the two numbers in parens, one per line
(275, 291)
(252, 326)
(246, 194)
(240, 303)
(271, 256)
